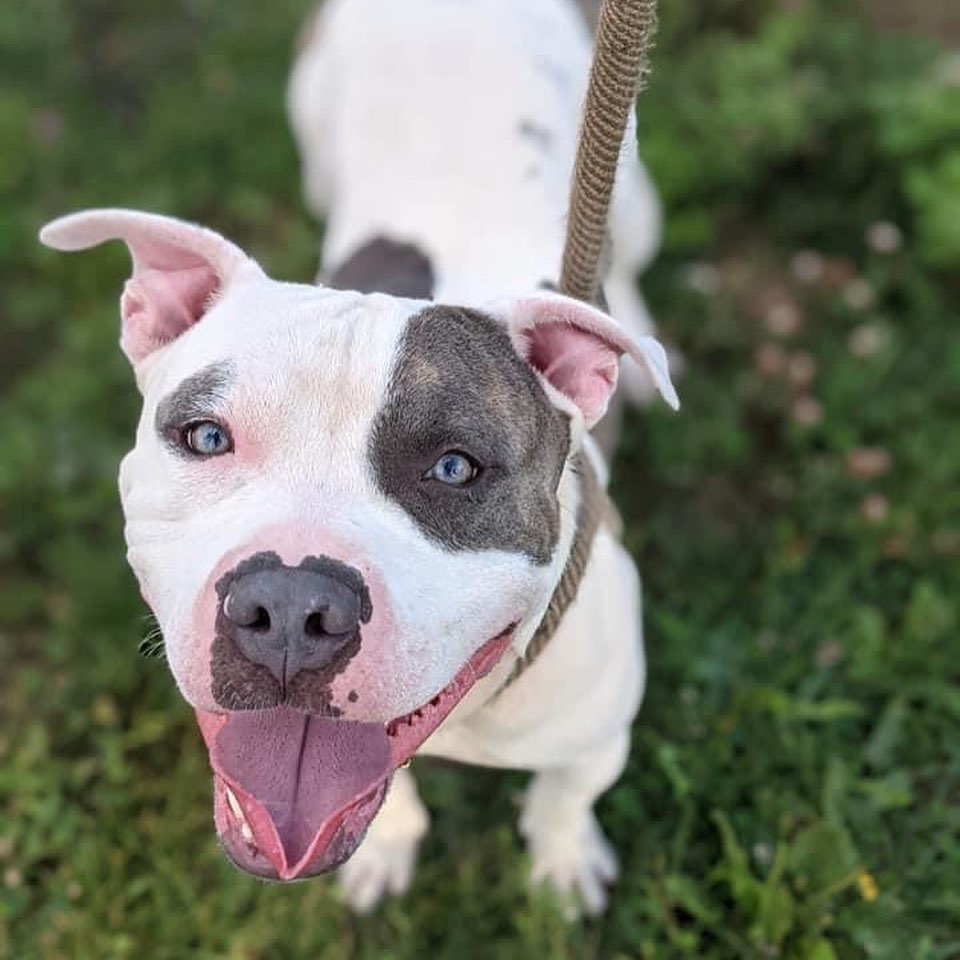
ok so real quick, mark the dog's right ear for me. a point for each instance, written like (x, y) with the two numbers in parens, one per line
(576, 348)
(179, 269)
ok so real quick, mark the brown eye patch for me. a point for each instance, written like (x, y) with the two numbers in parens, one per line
(459, 384)
(197, 398)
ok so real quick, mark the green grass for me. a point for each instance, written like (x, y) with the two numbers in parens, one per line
(800, 742)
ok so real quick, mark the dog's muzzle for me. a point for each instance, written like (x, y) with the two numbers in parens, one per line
(283, 633)
(296, 784)
(290, 619)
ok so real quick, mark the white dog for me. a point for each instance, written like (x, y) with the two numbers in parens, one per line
(370, 525)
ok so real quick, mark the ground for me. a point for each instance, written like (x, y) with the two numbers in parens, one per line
(794, 787)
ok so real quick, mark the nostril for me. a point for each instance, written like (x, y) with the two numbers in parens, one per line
(293, 619)
(311, 614)
(330, 621)
(244, 611)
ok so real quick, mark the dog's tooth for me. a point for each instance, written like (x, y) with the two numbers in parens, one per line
(234, 805)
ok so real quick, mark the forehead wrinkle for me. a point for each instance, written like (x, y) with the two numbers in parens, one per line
(318, 399)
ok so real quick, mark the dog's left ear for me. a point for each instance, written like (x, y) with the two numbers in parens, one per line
(178, 270)
(577, 349)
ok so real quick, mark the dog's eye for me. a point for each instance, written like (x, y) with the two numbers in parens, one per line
(454, 469)
(207, 438)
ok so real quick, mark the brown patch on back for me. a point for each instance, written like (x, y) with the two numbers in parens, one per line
(383, 265)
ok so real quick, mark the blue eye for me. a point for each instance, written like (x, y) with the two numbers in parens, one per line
(207, 438)
(454, 469)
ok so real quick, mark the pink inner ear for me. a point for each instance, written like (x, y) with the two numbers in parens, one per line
(578, 363)
(178, 268)
(160, 304)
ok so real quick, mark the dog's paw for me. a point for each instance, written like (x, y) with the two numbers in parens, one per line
(379, 868)
(577, 864)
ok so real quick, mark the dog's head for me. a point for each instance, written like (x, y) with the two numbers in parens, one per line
(342, 509)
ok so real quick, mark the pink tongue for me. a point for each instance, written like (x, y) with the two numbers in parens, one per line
(301, 769)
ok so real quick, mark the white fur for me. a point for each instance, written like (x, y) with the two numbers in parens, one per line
(408, 117)
(310, 382)
(408, 114)
(309, 371)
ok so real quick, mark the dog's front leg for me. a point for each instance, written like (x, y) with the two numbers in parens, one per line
(385, 860)
(567, 847)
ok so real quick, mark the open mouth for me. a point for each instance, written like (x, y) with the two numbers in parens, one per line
(294, 793)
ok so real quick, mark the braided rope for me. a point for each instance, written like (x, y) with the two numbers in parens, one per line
(594, 509)
(619, 72)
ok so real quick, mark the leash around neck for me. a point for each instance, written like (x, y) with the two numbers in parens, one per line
(594, 507)
(619, 71)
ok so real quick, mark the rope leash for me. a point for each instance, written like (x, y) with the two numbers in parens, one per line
(594, 509)
(619, 71)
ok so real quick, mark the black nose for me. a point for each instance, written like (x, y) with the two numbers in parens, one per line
(290, 619)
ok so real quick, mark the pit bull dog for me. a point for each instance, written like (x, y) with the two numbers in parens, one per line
(370, 524)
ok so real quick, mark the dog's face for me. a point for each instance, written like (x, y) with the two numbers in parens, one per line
(342, 510)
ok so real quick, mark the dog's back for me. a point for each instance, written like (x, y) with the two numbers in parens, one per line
(451, 126)
(437, 139)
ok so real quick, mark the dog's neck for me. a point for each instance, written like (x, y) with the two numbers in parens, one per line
(594, 509)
